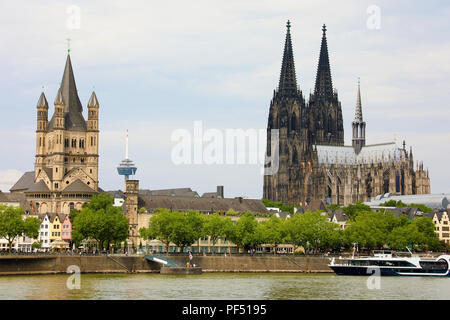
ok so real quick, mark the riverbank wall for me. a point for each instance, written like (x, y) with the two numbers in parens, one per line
(28, 265)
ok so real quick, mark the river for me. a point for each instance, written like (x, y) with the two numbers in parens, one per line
(223, 286)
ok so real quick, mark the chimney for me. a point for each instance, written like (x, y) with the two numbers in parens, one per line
(220, 192)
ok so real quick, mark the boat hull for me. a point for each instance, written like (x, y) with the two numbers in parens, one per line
(367, 271)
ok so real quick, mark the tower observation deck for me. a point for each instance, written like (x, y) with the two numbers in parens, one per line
(126, 167)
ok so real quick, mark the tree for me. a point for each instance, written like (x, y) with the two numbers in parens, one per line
(189, 228)
(369, 229)
(161, 226)
(333, 206)
(12, 224)
(273, 231)
(100, 220)
(352, 210)
(278, 204)
(243, 232)
(400, 204)
(216, 227)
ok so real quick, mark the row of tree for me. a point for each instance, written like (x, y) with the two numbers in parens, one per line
(13, 224)
(310, 230)
(100, 221)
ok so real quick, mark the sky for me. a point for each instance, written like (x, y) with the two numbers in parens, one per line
(159, 66)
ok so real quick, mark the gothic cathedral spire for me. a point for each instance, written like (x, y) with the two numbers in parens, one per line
(287, 86)
(358, 125)
(324, 85)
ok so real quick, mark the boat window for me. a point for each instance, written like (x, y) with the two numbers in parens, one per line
(434, 265)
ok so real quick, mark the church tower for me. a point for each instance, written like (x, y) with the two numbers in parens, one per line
(358, 125)
(287, 114)
(66, 167)
(326, 122)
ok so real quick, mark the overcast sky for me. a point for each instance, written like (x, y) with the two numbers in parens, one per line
(158, 66)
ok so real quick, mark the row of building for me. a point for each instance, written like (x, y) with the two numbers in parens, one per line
(139, 206)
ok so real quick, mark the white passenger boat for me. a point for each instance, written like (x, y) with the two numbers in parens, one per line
(387, 263)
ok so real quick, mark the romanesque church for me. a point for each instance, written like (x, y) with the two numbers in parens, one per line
(66, 166)
(313, 162)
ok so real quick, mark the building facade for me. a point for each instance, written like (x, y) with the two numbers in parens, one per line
(66, 166)
(313, 162)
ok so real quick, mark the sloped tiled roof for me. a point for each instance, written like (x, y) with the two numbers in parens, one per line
(202, 204)
(78, 186)
(316, 205)
(73, 116)
(25, 182)
(49, 172)
(339, 215)
(39, 187)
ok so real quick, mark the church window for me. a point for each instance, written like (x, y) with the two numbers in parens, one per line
(90, 170)
(66, 142)
(56, 185)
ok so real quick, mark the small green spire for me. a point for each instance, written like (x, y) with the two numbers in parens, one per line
(68, 45)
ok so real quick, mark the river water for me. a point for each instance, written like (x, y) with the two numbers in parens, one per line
(223, 286)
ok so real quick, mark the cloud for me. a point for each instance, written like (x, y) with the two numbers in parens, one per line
(8, 178)
(157, 66)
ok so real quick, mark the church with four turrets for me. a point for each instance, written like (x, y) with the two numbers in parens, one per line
(313, 162)
(66, 165)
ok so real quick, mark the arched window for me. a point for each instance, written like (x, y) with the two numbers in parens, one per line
(293, 126)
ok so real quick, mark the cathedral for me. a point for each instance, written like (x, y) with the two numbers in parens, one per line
(66, 166)
(313, 162)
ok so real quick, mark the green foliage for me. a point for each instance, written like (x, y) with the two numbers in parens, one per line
(100, 220)
(36, 245)
(217, 227)
(273, 231)
(278, 204)
(376, 230)
(400, 204)
(142, 210)
(243, 233)
(352, 210)
(72, 215)
(188, 229)
(311, 229)
(333, 206)
(13, 225)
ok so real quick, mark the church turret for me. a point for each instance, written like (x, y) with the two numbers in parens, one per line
(358, 125)
(42, 121)
(326, 121)
(287, 86)
(324, 85)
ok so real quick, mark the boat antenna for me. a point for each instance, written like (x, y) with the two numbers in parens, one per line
(409, 250)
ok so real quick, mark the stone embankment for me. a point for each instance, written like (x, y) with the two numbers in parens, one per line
(10, 265)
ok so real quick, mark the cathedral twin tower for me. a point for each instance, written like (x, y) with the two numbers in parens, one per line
(313, 163)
